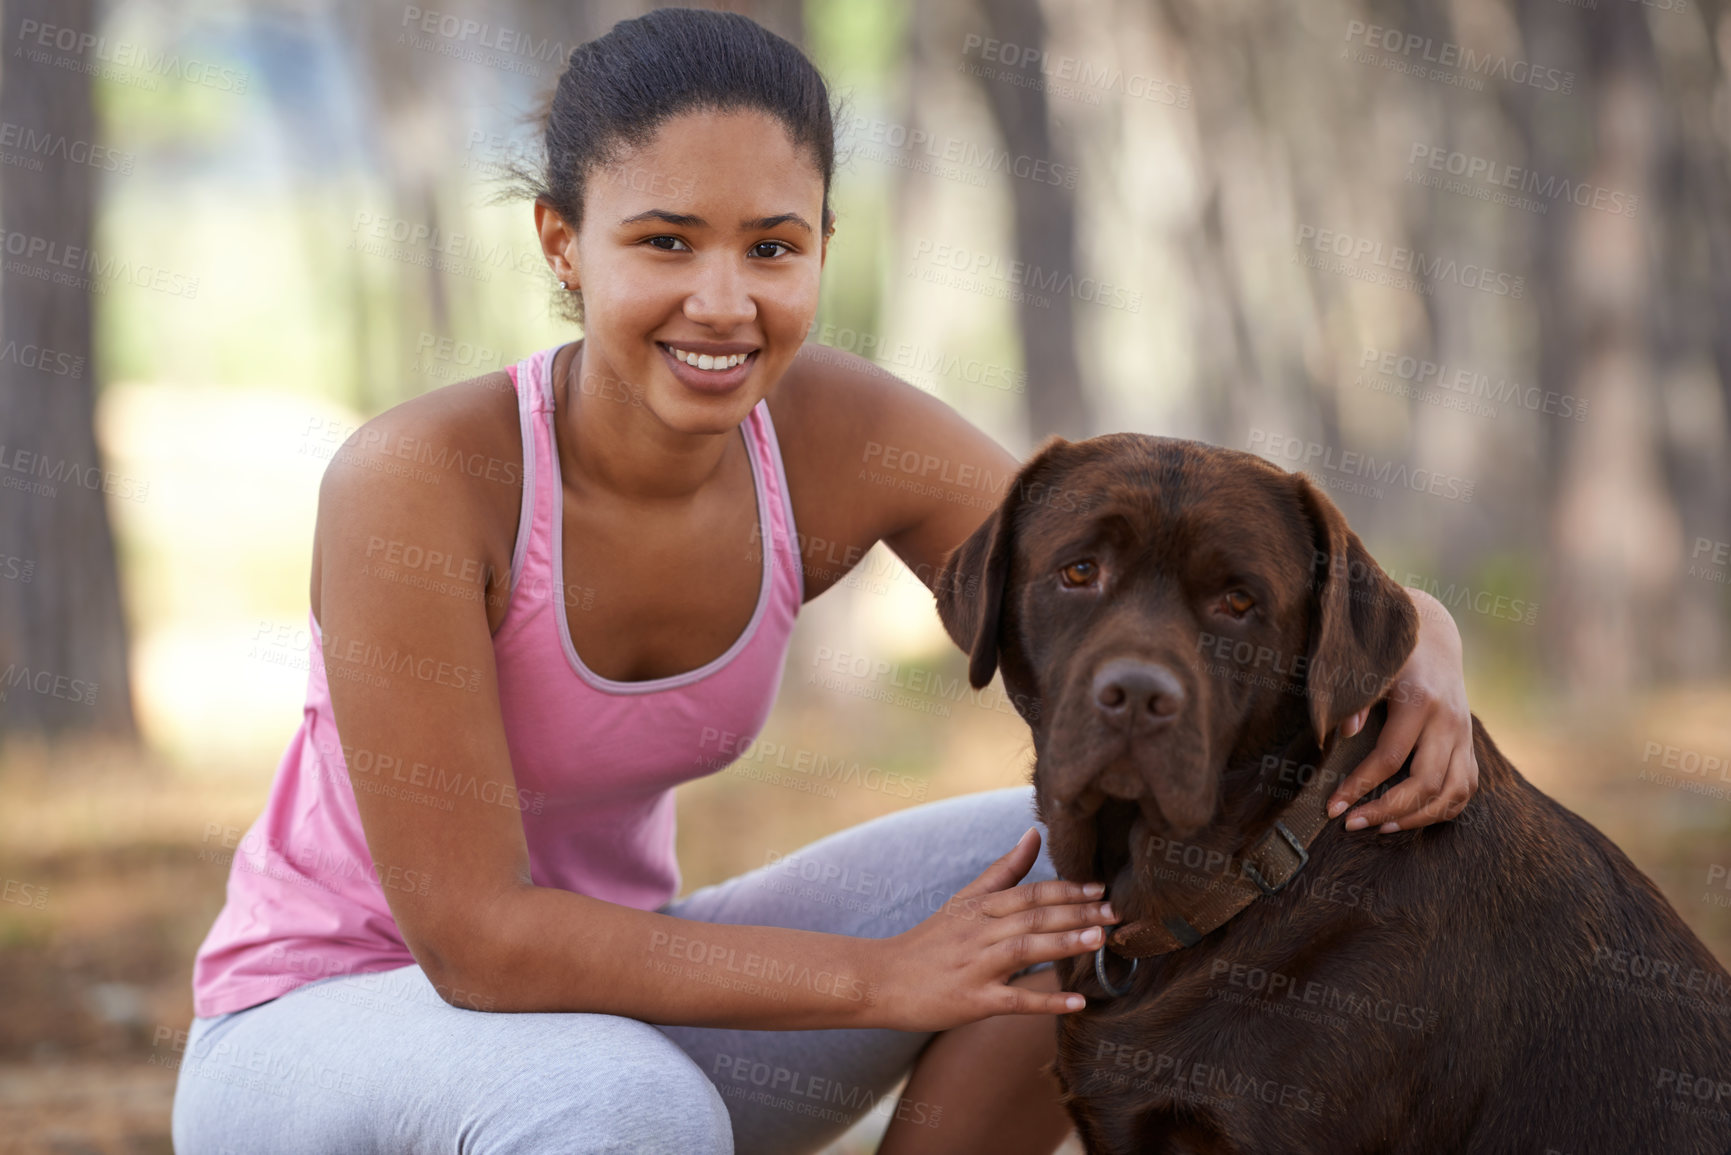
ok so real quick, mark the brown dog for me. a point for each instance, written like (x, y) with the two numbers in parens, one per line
(1179, 625)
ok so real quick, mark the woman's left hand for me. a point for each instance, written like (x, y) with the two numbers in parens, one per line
(1429, 711)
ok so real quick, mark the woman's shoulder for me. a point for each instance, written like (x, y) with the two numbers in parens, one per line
(445, 466)
(829, 396)
(835, 409)
(463, 433)
(870, 457)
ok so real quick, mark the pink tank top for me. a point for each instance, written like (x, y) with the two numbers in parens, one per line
(595, 760)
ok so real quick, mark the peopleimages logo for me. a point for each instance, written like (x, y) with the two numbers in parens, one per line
(1083, 72)
(1487, 178)
(1351, 463)
(32, 144)
(971, 269)
(481, 34)
(101, 56)
(1416, 49)
(868, 131)
(1471, 385)
(1398, 261)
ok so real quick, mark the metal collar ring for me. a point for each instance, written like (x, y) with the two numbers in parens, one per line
(1100, 973)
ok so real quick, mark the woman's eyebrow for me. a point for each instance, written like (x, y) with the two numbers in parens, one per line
(687, 221)
(779, 219)
(683, 220)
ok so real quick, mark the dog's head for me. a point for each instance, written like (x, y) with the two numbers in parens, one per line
(1165, 612)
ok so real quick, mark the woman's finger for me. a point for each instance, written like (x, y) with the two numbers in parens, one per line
(1014, 1000)
(1006, 871)
(1417, 796)
(1420, 790)
(1052, 892)
(1456, 791)
(1405, 721)
(1023, 950)
(1072, 916)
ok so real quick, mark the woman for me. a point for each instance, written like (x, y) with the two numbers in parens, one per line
(536, 597)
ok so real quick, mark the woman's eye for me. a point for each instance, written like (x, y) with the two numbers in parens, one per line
(1237, 603)
(666, 244)
(757, 250)
(1080, 573)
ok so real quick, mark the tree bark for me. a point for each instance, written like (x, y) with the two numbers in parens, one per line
(1045, 236)
(1616, 540)
(63, 637)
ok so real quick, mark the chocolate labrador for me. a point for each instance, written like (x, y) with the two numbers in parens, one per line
(1184, 628)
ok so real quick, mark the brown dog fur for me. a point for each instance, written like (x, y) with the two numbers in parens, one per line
(1507, 981)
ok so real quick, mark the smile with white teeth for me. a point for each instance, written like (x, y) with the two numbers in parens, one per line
(705, 361)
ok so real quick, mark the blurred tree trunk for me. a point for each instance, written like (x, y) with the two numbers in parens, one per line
(416, 98)
(1616, 541)
(1693, 342)
(410, 95)
(1045, 235)
(1244, 366)
(63, 643)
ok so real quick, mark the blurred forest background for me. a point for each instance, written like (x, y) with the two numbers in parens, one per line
(1466, 261)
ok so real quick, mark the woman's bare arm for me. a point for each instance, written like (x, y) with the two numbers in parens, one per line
(871, 458)
(484, 933)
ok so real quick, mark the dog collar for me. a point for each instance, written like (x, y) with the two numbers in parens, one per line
(1268, 863)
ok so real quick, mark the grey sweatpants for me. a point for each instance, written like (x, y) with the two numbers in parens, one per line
(379, 1064)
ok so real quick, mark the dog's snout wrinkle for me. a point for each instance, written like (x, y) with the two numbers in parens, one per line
(1127, 690)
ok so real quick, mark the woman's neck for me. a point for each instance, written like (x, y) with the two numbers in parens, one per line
(607, 439)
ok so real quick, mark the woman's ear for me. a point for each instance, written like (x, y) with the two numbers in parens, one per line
(573, 277)
(558, 245)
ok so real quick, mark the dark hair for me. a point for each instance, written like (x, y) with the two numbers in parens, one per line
(617, 90)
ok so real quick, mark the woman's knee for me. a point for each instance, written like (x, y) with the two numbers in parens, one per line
(992, 821)
(629, 1088)
(941, 847)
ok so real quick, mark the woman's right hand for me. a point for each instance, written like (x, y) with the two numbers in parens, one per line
(953, 967)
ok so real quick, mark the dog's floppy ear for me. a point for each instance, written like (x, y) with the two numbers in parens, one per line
(1362, 624)
(970, 586)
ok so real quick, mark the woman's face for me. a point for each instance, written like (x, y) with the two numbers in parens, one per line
(704, 245)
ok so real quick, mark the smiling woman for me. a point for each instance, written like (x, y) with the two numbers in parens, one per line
(454, 924)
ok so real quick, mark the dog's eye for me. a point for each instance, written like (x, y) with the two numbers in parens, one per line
(1237, 603)
(1080, 573)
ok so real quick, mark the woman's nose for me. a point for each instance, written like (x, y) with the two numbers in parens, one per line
(720, 298)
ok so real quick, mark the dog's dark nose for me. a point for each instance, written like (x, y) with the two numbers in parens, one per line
(1128, 690)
